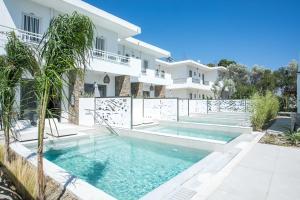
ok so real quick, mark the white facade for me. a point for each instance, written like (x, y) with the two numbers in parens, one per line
(115, 53)
(151, 74)
(191, 79)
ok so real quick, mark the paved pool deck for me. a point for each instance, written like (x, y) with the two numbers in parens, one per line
(267, 172)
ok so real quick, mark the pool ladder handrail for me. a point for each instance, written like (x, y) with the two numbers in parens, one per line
(108, 127)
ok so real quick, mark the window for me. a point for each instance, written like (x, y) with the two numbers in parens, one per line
(100, 43)
(157, 73)
(31, 24)
(162, 74)
(99, 46)
(89, 90)
(195, 96)
(191, 95)
(194, 73)
(199, 96)
(203, 97)
(146, 94)
(145, 66)
(190, 73)
(203, 78)
(200, 75)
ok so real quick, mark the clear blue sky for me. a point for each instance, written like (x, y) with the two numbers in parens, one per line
(264, 32)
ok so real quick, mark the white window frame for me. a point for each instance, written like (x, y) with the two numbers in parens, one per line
(103, 45)
(33, 16)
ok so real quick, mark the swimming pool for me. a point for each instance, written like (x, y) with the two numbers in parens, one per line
(191, 132)
(123, 167)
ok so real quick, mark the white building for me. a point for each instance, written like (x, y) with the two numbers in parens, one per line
(191, 79)
(152, 79)
(118, 60)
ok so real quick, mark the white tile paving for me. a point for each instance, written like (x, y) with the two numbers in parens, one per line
(267, 172)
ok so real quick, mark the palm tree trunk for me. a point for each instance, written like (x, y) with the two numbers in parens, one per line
(6, 137)
(41, 129)
(6, 123)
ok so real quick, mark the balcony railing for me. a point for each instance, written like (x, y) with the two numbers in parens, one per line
(34, 39)
(155, 73)
(196, 80)
(206, 83)
(28, 37)
(111, 57)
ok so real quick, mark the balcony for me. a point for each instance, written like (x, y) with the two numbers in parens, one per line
(111, 57)
(190, 83)
(25, 36)
(196, 80)
(101, 61)
(155, 77)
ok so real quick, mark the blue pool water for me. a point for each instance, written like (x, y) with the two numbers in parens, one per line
(192, 132)
(122, 167)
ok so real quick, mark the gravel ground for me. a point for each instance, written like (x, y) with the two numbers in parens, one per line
(7, 189)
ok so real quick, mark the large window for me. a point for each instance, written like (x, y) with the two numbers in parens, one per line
(31, 24)
(89, 90)
(190, 73)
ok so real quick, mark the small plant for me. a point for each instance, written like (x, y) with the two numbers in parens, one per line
(264, 108)
(293, 137)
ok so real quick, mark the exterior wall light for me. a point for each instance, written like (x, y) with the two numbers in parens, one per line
(106, 79)
(151, 87)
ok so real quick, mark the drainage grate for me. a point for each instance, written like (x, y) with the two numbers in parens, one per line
(183, 194)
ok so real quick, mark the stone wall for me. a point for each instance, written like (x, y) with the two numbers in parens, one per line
(160, 91)
(122, 86)
(76, 89)
(137, 89)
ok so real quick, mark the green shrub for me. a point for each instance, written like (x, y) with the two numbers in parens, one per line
(264, 108)
(293, 137)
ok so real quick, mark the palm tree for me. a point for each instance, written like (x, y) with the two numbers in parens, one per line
(64, 49)
(18, 59)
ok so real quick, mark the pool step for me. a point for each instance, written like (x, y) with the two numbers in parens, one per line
(86, 148)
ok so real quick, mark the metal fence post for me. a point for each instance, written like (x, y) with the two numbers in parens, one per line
(94, 111)
(188, 107)
(143, 107)
(206, 106)
(177, 109)
(131, 112)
